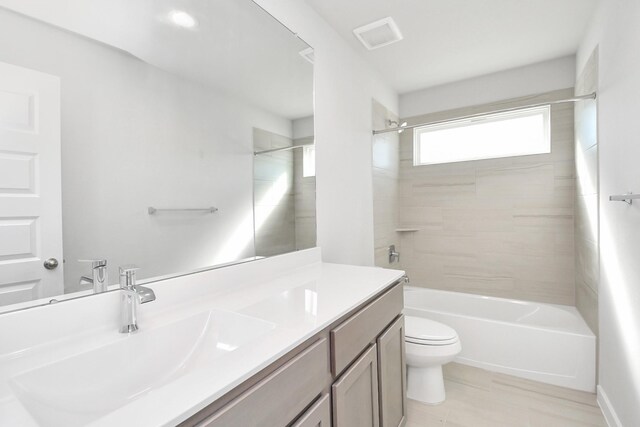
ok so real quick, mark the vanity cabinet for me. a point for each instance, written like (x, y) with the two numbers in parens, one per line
(392, 375)
(351, 337)
(319, 415)
(352, 374)
(280, 397)
(355, 394)
(376, 382)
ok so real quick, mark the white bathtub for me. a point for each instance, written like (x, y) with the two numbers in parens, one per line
(542, 342)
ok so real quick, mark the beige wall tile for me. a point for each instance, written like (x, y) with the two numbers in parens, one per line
(587, 246)
(587, 303)
(386, 188)
(290, 221)
(304, 201)
(587, 171)
(276, 235)
(587, 265)
(490, 226)
(587, 217)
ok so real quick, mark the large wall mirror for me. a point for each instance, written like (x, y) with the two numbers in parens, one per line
(143, 132)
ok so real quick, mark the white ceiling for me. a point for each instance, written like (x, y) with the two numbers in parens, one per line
(451, 40)
(236, 48)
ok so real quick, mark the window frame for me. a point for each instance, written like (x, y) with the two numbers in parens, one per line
(490, 117)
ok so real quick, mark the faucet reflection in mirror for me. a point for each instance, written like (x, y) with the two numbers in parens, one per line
(100, 276)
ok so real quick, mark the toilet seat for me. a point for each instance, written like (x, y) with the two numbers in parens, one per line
(419, 330)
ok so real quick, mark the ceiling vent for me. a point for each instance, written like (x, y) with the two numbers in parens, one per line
(378, 34)
(308, 54)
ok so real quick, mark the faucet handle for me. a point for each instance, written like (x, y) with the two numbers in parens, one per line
(128, 276)
(95, 263)
(127, 268)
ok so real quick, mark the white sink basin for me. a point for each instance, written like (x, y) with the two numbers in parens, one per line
(85, 387)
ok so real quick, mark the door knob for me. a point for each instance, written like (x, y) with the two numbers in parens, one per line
(51, 264)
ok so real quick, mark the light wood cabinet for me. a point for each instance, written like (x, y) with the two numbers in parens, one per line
(281, 397)
(319, 415)
(353, 335)
(355, 394)
(351, 374)
(372, 391)
(392, 375)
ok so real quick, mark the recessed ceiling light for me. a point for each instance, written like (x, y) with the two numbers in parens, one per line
(182, 19)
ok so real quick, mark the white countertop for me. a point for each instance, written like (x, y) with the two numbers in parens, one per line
(296, 292)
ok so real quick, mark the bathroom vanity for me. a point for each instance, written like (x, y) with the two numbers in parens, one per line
(219, 170)
(355, 367)
(287, 340)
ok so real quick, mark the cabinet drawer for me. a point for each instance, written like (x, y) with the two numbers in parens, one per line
(318, 416)
(282, 396)
(351, 337)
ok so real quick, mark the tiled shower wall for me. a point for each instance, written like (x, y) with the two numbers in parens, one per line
(285, 201)
(305, 199)
(587, 213)
(500, 227)
(385, 187)
(273, 193)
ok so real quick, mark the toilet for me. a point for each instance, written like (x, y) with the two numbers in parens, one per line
(429, 345)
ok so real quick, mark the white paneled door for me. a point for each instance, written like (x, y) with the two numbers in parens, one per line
(30, 193)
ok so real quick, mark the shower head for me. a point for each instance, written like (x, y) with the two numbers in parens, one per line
(398, 125)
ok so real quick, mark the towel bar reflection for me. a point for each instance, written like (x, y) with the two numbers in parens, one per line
(153, 211)
(627, 198)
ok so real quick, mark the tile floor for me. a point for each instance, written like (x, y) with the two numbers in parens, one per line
(479, 398)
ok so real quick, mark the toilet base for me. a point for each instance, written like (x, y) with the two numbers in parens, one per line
(426, 384)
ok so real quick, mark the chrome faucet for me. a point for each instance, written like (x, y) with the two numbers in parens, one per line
(100, 277)
(393, 254)
(132, 295)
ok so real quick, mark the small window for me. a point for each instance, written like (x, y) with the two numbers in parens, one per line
(518, 133)
(309, 161)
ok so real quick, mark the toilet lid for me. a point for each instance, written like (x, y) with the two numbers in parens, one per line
(419, 329)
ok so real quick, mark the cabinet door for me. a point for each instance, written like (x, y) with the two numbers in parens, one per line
(318, 416)
(392, 375)
(355, 394)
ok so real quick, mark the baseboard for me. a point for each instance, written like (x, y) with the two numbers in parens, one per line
(607, 409)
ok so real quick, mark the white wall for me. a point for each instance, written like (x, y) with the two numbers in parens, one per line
(616, 29)
(530, 80)
(303, 128)
(173, 143)
(344, 88)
